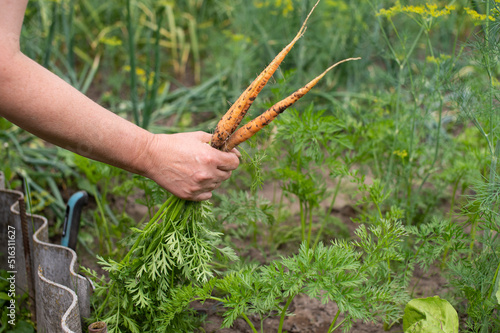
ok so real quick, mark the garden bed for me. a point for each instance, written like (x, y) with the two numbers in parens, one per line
(390, 162)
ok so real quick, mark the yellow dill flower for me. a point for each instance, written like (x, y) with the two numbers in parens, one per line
(401, 153)
(439, 60)
(140, 71)
(475, 16)
(141, 74)
(425, 11)
(431, 59)
(494, 82)
(429, 10)
(337, 4)
(391, 11)
(111, 41)
(414, 9)
(286, 6)
(236, 37)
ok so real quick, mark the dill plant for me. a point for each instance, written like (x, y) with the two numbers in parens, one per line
(473, 262)
(474, 275)
(412, 124)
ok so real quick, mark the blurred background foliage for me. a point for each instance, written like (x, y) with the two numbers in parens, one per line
(407, 107)
(417, 116)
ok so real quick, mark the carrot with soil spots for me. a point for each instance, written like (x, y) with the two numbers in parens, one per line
(247, 131)
(230, 121)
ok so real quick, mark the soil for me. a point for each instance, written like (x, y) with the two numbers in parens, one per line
(310, 316)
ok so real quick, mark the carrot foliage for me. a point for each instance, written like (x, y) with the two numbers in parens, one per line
(349, 273)
(175, 248)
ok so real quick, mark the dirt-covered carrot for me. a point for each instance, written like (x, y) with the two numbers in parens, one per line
(230, 121)
(247, 131)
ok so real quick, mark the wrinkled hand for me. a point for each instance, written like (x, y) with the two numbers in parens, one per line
(186, 166)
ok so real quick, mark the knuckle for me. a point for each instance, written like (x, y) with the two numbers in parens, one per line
(186, 194)
(201, 177)
(205, 196)
(227, 175)
(208, 159)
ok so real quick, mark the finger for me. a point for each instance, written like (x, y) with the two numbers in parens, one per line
(226, 168)
(205, 195)
(228, 161)
(201, 197)
(236, 152)
(221, 175)
(204, 137)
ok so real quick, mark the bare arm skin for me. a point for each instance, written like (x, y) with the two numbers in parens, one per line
(42, 103)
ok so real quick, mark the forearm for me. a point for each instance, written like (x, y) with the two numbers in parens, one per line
(45, 105)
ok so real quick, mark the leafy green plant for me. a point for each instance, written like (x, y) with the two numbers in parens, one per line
(248, 210)
(347, 273)
(21, 321)
(305, 139)
(175, 247)
(475, 275)
(431, 314)
(407, 131)
(99, 179)
(32, 165)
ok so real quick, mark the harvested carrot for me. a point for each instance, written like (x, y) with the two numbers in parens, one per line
(230, 121)
(247, 131)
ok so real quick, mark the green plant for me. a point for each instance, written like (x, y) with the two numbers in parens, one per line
(305, 138)
(431, 314)
(475, 275)
(347, 273)
(14, 316)
(32, 165)
(415, 134)
(175, 247)
(476, 278)
(246, 209)
(98, 181)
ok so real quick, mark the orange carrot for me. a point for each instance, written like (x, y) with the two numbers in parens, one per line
(230, 121)
(247, 131)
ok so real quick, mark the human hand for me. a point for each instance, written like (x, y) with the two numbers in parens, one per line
(186, 165)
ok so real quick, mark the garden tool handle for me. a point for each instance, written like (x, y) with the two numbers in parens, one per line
(72, 218)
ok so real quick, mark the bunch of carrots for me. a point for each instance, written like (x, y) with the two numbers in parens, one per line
(226, 135)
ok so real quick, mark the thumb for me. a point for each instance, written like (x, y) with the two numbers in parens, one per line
(203, 136)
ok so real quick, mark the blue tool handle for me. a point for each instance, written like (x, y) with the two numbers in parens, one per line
(72, 218)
